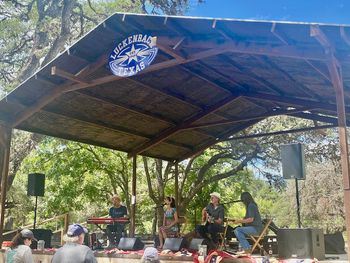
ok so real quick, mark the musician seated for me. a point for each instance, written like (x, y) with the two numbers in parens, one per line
(212, 219)
(115, 230)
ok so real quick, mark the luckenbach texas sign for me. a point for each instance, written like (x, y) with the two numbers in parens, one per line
(132, 55)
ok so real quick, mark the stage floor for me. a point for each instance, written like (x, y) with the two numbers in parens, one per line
(104, 257)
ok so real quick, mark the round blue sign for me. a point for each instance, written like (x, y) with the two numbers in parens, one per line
(132, 55)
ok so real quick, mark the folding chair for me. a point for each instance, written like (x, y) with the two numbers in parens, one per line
(257, 239)
(222, 235)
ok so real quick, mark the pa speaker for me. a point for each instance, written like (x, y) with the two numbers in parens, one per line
(334, 243)
(195, 242)
(174, 244)
(130, 243)
(293, 161)
(36, 184)
(41, 234)
(301, 243)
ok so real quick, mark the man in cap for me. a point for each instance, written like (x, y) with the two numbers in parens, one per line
(73, 250)
(212, 219)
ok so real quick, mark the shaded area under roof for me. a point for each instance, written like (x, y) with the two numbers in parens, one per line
(211, 79)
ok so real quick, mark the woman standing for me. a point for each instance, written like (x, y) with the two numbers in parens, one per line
(170, 221)
(20, 251)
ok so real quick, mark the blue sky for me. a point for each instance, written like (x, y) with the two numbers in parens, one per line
(321, 11)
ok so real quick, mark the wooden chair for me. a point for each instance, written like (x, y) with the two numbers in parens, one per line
(222, 235)
(257, 239)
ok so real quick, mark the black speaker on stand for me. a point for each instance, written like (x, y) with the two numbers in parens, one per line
(293, 167)
(36, 187)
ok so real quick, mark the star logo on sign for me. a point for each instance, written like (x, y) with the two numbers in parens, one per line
(132, 54)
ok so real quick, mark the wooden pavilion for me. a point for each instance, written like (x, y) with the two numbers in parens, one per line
(211, 78)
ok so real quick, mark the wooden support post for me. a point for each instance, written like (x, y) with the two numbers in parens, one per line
(176, 184)
(5, 134)
(335, 71)
(133, 197)
(344, 147)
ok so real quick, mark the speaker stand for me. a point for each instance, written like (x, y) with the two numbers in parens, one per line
(35, 208)
(298, 201)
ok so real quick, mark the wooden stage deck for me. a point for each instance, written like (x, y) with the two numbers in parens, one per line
(102, 257)
(46, 256)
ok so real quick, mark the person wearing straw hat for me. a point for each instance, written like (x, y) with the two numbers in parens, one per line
(73, 250)
(19, 250)
(212, 219)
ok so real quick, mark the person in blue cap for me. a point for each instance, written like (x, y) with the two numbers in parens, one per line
(73, 250)
(20, 248)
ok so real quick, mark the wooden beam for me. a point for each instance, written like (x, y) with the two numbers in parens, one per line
(335, 72)
(344, 36)
(133, 197)
(176, 184)
(292, 101)
(315, 117)
(220, 137)
(223, 76)
(281, 132)
(66, 75)
(5, 134)
(101, 125)
(251, 75)
(173, 130)
(316, 32)
(300, 52)
(290, 79)
(277, 34)
(56, 92)
(318, 70)
(137, 111)
(170, 51)
(247, 118)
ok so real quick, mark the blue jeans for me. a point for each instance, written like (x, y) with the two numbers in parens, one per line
(241, 233)
(212, 229)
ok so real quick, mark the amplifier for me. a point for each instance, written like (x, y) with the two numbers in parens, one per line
(270, 245)
(301, 243)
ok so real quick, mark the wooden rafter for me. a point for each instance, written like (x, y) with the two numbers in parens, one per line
(318, 70)
(171, 131)
(199, 149)
(282, 132)
(344, 36)
(223, 76)
(56, 92)
(66, 75)
(290, 79)
(242, 119)
(249, 74)
(292, 101)
(315, 117)
(103, 125)
(278, 35)
(253, 48)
